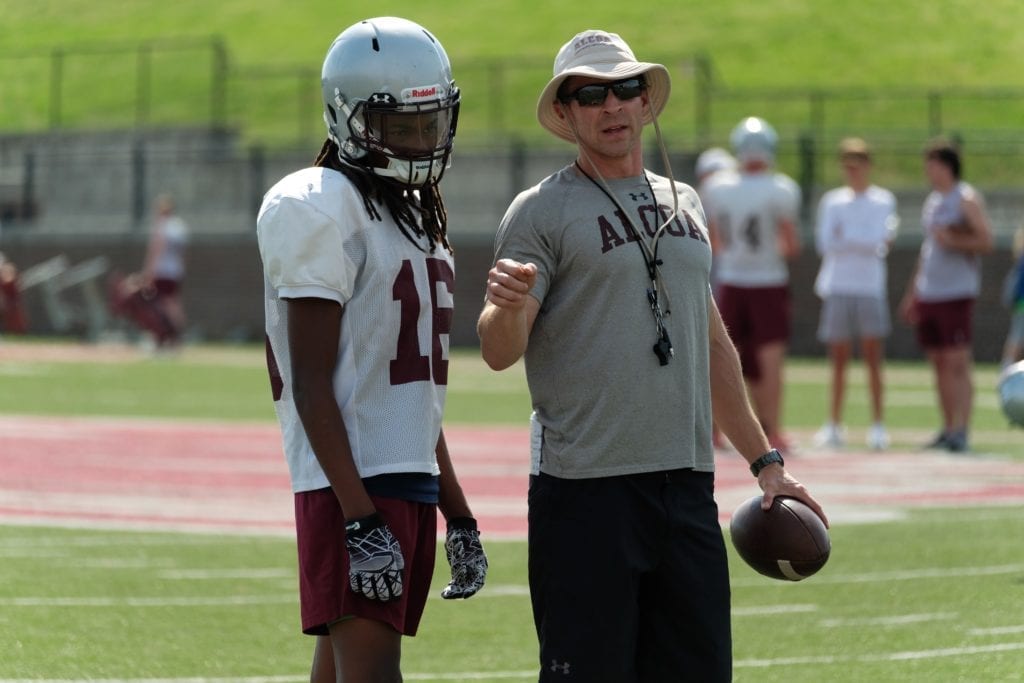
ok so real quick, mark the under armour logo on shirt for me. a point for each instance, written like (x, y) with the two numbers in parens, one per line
(638, 196)
(563, 667)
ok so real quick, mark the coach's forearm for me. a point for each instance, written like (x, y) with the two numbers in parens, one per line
(504, 334)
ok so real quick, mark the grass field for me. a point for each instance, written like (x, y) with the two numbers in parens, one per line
(932, 596)
(935, 597)
(230, 383)
(776, 45)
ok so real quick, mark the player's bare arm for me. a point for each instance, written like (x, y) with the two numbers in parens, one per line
(974, 236)
(735, 417)
(451, 499)
(789, 239)
(314, 327)
(509, 312)
(907, 310)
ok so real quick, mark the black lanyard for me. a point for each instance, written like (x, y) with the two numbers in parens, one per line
(663, 347)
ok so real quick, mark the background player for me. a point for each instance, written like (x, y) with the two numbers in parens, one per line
(752, 217)
(939, 299)
(856, 225)
(711, 164)
(164, 267)
(359, 278)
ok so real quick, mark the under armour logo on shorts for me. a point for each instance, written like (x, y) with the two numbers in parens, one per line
(564, 667)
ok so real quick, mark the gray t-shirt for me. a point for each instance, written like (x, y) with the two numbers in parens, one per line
(946, 274)
(603, 405)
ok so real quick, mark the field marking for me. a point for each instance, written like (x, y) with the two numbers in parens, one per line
(230, 478)
(770, 610)
(901, 575)
(996, 631)
(230, 601)
(911, 655)
(255, 574)
(898, 620)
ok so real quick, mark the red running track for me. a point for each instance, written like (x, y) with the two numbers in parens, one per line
(217, 477)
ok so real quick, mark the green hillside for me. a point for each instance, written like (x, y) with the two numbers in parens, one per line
(768, 57)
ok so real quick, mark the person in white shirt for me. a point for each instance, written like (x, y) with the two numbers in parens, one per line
(856, 225)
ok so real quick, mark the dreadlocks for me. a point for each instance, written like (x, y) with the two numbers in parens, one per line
(416, 216)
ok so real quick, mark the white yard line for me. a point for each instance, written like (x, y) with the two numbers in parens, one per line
(912, 655)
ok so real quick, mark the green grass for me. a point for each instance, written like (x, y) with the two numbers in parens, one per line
(230, 383)
(82, 604)
(929, 597)
(781, 48)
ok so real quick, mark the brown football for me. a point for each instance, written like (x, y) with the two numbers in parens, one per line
(789, 542)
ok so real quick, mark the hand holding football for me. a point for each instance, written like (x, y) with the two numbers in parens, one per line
(789, 542)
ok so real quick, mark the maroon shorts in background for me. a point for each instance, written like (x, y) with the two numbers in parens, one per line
(324, 591)
(944, 324)
(166, 286)
(754, 316)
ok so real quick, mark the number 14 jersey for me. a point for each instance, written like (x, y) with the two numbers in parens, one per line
(746, 209)
(317, 240)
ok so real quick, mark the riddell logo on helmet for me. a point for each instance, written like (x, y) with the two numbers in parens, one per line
(425, 92)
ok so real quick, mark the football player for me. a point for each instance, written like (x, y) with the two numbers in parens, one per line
(752, 218)
(940, 295)
(359, 280)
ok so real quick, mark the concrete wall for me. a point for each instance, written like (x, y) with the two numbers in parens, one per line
(224, 289)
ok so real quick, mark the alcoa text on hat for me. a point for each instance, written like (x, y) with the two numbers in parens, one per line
(603, 55)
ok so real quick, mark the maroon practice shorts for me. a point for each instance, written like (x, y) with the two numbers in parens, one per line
(324, 591)
(944, 324)
(754, 316)
(166, 286)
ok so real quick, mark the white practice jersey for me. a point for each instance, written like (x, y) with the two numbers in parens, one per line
(853, 235)
(746, 209)
(317, 240)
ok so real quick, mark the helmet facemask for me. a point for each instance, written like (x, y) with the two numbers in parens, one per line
(408, 142)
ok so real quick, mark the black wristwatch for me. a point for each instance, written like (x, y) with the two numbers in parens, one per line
(767, 459)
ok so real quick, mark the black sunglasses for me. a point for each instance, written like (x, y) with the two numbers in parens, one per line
(596, 93)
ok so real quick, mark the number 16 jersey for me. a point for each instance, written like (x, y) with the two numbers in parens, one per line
(317, 240)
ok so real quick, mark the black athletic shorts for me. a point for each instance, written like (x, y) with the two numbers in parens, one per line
(629, 579)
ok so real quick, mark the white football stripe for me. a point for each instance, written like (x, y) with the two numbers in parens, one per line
(787, 570)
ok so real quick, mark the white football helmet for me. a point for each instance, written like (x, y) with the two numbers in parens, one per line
(713, 160)
(390, 103)
(1011, 393)
(754, 139)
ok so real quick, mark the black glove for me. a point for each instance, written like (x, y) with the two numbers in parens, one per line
(466, 558)
(375, 560)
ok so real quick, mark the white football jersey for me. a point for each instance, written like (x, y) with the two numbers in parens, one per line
(317, 240)
(746, 210)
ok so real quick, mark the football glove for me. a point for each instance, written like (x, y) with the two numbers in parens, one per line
(466, 558)
(375, 560)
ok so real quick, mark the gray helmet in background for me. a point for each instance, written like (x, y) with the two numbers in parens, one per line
(390, 103)
(754, 139)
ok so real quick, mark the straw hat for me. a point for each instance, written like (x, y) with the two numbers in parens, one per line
(603, 55)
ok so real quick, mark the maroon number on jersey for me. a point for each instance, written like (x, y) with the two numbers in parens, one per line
(409, 365)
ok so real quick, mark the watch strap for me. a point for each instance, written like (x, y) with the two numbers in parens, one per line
(767, 459)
